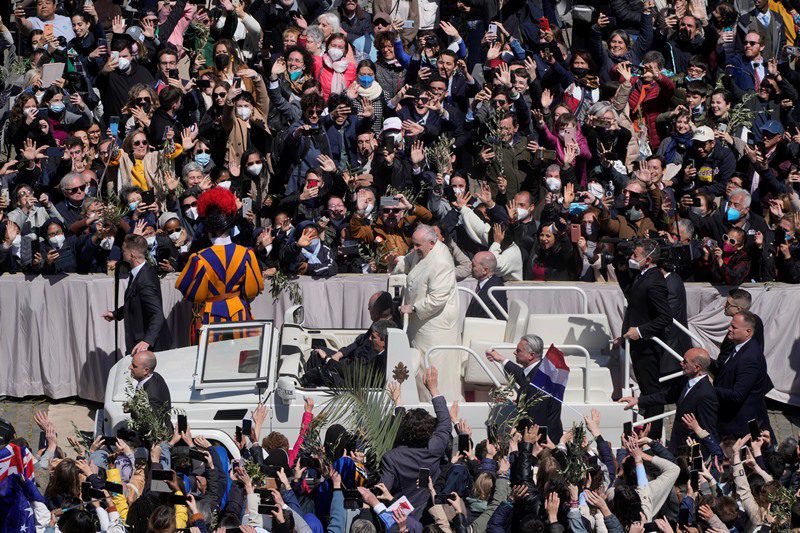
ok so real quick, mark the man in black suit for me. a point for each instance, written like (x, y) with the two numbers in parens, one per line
(738, 300)
(143, 371)
(145, 325)
(742, 381)
(676, 338)
(695, 394)
(546, 412)
(484, 265)
(648, 315)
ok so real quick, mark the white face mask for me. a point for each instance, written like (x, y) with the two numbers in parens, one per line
(175, 236)
(244, 112)
(458, 191)
(596, 190)
(58, 241)
(553, 184)
(522, 214)
(17, 241)
(368, 209)
(192, 213)
(151, 240)
(124, 63)
(225, 185)
(255, 169)
(633, 264)
(107, 243)
(336, 53)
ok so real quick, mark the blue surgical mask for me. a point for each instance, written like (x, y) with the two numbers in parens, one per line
(314, 244)
(132, 206)
(202, 159)
(294, 76)
(57, 107)
(733, 214)
(366, 81)
(692, 78)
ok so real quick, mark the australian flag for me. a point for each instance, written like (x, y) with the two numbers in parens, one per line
(17, 490)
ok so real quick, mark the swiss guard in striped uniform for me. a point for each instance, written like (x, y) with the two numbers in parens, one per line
(224, 278)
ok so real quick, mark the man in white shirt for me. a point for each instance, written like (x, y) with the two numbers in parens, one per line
(45, 14)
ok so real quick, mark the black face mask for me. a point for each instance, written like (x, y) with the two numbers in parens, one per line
(580, 72)
(683, 35)
(221, 61)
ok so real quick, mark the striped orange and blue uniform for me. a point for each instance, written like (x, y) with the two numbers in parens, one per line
(222, 280)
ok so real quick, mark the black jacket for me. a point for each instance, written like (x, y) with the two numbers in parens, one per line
(648, 307)
(741, 384)
(476, 311)
(143, 313)
(701, 400)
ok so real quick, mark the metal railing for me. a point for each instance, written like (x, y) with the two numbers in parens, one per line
(471, 352)
(694, 336)
(480, 301)
(518, 288)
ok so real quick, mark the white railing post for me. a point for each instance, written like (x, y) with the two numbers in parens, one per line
(520, 288)
(480, 301)
(471, 352)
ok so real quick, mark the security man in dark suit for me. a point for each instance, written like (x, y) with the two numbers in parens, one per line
(547, 411)
(695, 394)
(648, 315)
(145, 325)
(742, 382)
(143, 372)
(484, 265)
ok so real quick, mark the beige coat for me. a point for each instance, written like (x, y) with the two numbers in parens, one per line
(431, 288)
(237, 128)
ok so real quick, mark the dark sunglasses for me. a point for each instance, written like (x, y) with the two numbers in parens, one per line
(73, 190)
(220, 95)
(752, 42)
(143, 100)
(140, 143)
(202, 151)
(191, 204)
(392, 209)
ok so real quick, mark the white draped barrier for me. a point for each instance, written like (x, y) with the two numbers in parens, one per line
(54, 341)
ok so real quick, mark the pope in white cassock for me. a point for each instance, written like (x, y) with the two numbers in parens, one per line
(432, 305)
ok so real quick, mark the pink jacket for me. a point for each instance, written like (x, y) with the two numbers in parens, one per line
(176, 38)
(325, 75)
(300, 438)
(553, 142)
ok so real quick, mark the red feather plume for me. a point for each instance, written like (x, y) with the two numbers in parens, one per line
(219, 198)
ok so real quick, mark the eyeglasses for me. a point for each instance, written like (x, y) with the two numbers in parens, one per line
(312, 112)
(752, 43)
(729, 239)
(140, 143)
(202, 151)
(220, 95)
(173, 232)
(392, 209)
(191, 204)
(143, 100)
(73, 190)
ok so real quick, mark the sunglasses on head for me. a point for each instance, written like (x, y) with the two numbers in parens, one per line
(140, 143)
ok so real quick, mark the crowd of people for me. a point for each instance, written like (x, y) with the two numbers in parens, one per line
(543, 139)
(648, 142)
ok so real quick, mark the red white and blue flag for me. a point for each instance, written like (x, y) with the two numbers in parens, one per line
(17, 490)
(552, 374)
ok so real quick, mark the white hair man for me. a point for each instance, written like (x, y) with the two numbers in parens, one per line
(528, 355)
(431, 303)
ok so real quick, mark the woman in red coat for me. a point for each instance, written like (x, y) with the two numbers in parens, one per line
(650, 95)
(335, 69)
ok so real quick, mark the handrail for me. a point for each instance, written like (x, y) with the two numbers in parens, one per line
(627, 376)
(686, 330)
(479, 300)
(654, 418)
(581, 292)
(426, 359)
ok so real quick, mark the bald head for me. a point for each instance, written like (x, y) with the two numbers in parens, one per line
(484, 265)
(696, 362)
(143, 364)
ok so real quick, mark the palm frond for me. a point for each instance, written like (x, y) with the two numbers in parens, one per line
(360, 402)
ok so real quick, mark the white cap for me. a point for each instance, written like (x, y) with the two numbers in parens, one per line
(393, 123)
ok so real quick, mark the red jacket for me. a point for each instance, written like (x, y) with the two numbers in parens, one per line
(651, 101)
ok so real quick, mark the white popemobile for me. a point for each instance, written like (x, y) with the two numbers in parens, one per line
(235, 366)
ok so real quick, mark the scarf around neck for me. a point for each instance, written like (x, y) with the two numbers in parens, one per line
(338, 67)
(372, 92)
